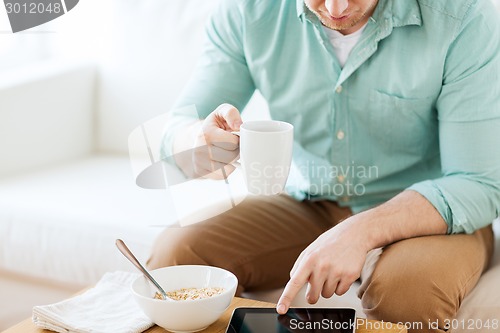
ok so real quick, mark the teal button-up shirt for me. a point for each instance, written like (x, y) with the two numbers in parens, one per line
(417, 105)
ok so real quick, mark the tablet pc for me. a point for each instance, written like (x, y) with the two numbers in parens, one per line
(303, 320)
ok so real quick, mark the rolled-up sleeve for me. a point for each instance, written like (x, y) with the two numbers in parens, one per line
(221, 75)
(468, 194)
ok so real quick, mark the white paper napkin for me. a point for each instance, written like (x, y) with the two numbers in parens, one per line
(108, 307)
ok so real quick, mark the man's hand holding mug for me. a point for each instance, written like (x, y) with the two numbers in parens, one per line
(265, 148)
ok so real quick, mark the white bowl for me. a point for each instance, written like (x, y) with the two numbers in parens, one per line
(188, 315)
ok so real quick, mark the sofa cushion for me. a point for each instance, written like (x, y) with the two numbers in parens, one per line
(62, 223)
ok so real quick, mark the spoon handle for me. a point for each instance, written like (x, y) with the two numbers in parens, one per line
(130, 256)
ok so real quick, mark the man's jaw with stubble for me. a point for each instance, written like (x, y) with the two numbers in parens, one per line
(346, 21)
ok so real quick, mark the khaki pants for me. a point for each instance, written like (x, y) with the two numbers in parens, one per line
(415, 280)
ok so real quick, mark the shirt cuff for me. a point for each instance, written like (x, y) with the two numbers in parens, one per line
(453, 216)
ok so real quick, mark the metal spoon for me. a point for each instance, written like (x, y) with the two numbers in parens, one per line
(130, 256)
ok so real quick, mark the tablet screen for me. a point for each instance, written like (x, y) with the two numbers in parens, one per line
(303, 320)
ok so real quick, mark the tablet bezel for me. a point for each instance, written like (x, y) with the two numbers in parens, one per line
(238, 315)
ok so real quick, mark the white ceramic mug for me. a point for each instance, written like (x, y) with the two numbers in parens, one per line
(266, 155)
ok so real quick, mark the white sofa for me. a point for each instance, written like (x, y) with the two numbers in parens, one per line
(67, 188)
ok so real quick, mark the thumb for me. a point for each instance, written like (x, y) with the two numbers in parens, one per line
(231, 115)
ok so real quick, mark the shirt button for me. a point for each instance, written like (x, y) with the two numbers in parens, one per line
(340, 135)
(340, 178)
(339, 89)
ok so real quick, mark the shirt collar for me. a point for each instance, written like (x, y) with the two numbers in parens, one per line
(301, 8)
(401, 12)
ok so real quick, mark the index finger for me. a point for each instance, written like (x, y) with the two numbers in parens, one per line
(297, 281)
(231, 116)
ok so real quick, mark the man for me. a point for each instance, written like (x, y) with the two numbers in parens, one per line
(408, 88)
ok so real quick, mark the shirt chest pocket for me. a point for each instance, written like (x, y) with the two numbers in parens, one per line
(406, 126)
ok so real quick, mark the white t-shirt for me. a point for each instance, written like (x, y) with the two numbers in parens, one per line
(343, 44)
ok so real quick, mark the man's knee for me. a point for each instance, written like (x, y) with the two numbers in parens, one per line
(178, 246)
(412, 296)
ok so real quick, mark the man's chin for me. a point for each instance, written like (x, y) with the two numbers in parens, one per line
(338, 25)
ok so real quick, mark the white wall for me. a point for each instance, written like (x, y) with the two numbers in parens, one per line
(46, 115)
(145, 50)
